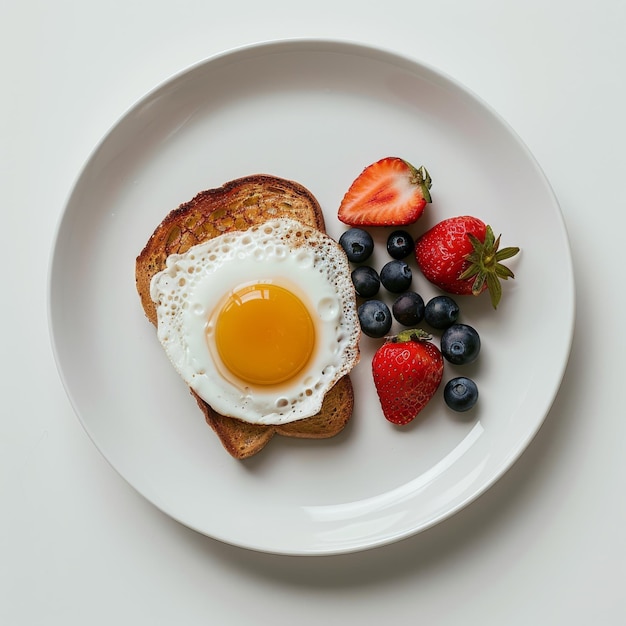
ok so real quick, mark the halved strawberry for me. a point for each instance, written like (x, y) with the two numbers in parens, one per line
(390, 192)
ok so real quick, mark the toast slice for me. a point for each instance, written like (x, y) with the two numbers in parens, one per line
(238, 205)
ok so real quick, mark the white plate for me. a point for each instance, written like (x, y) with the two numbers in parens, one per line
(316, 112)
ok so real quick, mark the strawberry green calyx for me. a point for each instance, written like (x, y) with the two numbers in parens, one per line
(411, 334)
(485, 265)
(421, 177)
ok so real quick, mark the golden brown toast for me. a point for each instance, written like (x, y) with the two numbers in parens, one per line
(238, 205)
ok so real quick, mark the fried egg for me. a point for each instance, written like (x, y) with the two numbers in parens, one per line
(260, 323)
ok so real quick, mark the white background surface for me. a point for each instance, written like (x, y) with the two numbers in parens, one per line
(544, 546)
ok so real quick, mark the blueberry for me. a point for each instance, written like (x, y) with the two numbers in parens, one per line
(358, 244)
(460, 393)
(460, 344)
(441, 312)
(375, 318)
(400, 244)
(396, 276)
(365, 280)
(408, 308)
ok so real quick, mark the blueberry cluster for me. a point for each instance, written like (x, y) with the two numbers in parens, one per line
(459, 343)
(395, 276)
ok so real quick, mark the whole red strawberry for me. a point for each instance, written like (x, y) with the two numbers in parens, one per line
(461, 256)
(407, 371)
(390, 192)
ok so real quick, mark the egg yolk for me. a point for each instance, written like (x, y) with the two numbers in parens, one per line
(264, 334)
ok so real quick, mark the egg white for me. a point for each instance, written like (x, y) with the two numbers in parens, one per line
(193, 286)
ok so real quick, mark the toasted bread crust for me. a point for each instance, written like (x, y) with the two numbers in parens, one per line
(238, 205)
(243, 440)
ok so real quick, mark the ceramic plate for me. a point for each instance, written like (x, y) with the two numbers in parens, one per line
(316, 112)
